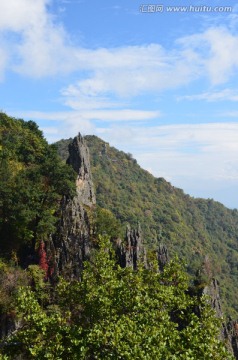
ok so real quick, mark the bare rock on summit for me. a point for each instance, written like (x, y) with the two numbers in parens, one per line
(79, 160)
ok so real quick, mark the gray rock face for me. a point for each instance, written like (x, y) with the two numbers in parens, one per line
(79, 160)
(162, 256)
(71, 243)
(132, 250)
(232, 336)
(213, 291)
(229, 331)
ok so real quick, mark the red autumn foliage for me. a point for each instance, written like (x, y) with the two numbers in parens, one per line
(43, 262)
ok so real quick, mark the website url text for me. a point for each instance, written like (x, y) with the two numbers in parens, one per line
(159, 8)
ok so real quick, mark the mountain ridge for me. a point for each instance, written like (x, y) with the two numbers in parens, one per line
(198, 230)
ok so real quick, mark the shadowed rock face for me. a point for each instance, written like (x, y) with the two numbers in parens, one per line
(162, 256)
(213, 291)
(132, 249)
(229, 331)
(71, 243)
(232, 328)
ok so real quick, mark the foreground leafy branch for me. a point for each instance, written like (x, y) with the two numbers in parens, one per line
(116, 313)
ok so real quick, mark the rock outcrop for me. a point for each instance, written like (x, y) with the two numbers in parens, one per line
(132, 249)
(70, 245)
(162, 256)
(232, 336)
(229, 331)
(79, 160)
(213, 291)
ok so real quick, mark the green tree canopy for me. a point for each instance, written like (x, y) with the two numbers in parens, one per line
(32, 182)
(116, 313)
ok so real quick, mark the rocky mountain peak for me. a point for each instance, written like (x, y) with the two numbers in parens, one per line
(79, 160)
(71, 243)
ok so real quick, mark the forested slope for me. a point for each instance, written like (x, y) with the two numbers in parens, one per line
(198, 230)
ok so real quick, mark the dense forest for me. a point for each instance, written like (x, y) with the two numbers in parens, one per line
(104, 310)
(33, 180)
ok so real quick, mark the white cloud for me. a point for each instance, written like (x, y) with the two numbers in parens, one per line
(69, 123)
(219, 139)
(22, 14)
(134, 70)
(230, 114)
(217, 48)
(119, 115)
(38, 46)
(222, 95)
(3, 62)
(130, 71)
(224, 54)
(42, 47)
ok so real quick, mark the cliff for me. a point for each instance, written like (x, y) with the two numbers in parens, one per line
(70, 244)
(132, 249)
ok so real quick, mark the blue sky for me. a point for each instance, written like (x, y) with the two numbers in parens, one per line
(159, 82)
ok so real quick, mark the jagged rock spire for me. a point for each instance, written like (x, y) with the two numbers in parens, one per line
(79, 160)
(132, 250)
(72, 240)
(162, 256)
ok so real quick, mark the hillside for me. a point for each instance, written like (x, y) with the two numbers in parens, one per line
(199, 231)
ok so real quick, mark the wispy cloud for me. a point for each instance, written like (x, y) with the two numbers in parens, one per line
(212, 96)
(217, 48)
(232, 114)
(121, 116)
(68, 123)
